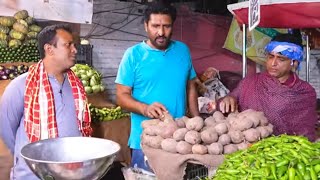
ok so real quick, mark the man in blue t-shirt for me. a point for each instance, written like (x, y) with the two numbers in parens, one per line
(156, 76)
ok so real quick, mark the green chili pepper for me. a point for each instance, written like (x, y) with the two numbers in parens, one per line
(282, 163)
(292, 173)
(297, 178)
(315, 161)
(312, 173)
(305, 160)
(230, 171)
(273, 170)
(307, 176)
(317, 168)
(299, 174)
(285, 177)
(281, 171)
(301, 168)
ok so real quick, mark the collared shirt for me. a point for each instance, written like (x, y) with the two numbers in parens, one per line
(12, 120)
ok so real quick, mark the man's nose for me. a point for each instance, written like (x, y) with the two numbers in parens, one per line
(161, 31)
(74, 49)
(274, 61)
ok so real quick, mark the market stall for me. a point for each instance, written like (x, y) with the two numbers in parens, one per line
(298, 14)
(18, 50)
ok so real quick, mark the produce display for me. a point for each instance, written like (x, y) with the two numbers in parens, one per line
(18, 38)
(12, 71)
(106, 114)
(91, 78)
(277, 157)
(215, 135)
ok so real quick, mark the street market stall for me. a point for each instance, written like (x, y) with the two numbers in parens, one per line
(18, 50)
(298, 14)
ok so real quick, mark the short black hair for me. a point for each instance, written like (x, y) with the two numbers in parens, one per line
(47, 36)
(294, 38)
(160, 7)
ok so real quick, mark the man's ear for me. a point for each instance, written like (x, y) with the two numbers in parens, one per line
(48, 49)
(295, 65)
(146, 26)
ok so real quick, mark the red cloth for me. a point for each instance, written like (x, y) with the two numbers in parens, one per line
(39, 104)
(290, 107)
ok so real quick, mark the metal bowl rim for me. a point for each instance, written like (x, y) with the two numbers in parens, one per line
(61, 162)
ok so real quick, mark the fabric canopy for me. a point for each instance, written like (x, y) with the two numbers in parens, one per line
(281, 13)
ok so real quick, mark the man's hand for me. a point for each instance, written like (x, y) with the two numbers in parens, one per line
(155, 110)
(228, 104)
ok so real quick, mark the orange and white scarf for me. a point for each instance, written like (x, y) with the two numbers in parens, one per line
(39, 111)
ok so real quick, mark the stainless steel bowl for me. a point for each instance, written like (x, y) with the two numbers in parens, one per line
(73, 158)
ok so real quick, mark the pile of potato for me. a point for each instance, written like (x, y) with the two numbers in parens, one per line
(215, 135)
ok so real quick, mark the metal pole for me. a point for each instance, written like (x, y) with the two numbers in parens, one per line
(308, 60)
(244, 55)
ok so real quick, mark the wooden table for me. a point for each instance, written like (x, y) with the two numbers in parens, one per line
(118, 131)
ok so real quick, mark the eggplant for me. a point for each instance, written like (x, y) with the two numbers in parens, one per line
(2, 68)
(7, 71)
(12, 67)
(4, 77)
(2, 73)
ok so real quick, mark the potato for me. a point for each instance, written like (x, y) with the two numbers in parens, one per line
(230, 148)
(251, 135)
(241, 124)
(263, 120)
(221, 128)
(184, 147)
(218, 116)
(233, 114)
(180, 133)
(209, 136)
(192, 137)
(215, 148)
(236, 136)
(199, 149)
(270, 128)
(169, 145)
(152, 130)
(180, 123)
(167, 129)
(150, 122)
(264, 132)
(152, 141)
(209, 121)
(243, 145)
(196, 123)
(167, 118)
(224, 139)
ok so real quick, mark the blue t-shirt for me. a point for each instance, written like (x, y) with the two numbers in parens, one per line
(156, 76)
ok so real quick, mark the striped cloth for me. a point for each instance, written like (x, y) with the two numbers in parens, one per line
(40, 120)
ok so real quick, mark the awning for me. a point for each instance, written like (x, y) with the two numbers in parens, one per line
(281, 13)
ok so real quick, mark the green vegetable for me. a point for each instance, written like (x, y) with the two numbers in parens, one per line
(7, 21)
(34, 28)
(292, 173)
(21, 14)
(4, 29)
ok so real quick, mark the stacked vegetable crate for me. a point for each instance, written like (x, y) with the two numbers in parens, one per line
(18, 38)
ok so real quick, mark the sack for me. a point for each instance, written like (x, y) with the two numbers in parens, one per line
(135, 173)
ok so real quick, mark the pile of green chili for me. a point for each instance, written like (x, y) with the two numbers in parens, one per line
(276, 157)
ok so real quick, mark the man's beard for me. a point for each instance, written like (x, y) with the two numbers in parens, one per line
(161, 45)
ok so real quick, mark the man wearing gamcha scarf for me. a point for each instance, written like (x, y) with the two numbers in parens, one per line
(288, 102)
(48, 101)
